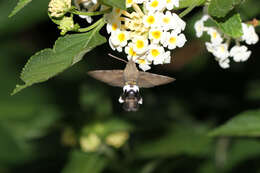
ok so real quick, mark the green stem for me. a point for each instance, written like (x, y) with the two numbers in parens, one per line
(94, 13)
(99, 22)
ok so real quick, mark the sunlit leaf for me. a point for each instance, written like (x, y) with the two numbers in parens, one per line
(231, 26)
(21, 4)
(244, 124)
(67, 51)
(220, 8)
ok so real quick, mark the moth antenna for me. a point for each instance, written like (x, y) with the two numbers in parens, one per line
(120, 59)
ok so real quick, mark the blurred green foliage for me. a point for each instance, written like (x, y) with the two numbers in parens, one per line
(42, 128)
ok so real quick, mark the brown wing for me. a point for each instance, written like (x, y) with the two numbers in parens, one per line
(111, 77)
(148, 80)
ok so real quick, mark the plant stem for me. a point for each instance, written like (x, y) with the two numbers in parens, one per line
(91, 26)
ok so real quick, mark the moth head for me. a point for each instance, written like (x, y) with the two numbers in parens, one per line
(131, 98)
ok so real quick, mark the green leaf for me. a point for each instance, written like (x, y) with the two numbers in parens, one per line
(188, 3)
(114, 3)
(85, 162)
(231, 26)
(19, 6)
(245, 124)
(220, 8)
(237, 153)
(67, 51)
(183, 139)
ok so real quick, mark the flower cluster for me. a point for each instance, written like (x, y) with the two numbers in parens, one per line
(58, 8)
(219, 46)
(145, 30)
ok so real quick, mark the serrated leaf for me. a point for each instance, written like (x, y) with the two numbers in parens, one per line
(114, 3)
(20, 5)
(232, 26)
(220, 8)
(67, 51)
(245, 124)
(85, 162)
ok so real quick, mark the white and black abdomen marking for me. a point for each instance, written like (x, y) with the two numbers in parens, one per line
(131, 98)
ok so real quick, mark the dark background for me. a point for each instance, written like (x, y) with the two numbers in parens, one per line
(169, 132)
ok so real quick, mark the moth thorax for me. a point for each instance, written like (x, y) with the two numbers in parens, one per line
(131, 98)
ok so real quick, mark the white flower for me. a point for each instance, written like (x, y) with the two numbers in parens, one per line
(167, 21)
(155, 54)
(178, 24)
(156, 35)
(224, 63)
(215, 36)
(140, 45)
(220, 51)
(155, 5)
(113, 24)
(143, 64)
(240, 53)
(152, 20)
(119, 38)
(129, 50)
(173, 40)
(249, 34)
(199, 25)
(172, 3)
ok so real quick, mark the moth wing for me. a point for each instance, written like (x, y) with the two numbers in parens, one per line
(148, 80)
(111, 77)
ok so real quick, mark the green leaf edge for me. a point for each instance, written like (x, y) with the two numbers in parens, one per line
(18, 88)
(20, 5)
(214, 132)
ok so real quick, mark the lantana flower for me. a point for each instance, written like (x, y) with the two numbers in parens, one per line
(151, 28)
(219, 45)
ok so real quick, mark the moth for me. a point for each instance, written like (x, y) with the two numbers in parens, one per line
(130, 79)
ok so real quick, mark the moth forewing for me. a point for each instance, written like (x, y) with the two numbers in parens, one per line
(111, 77)
(130, 79)
(148, 80)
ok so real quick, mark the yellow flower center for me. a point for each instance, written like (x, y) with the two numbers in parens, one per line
(114, 26)
(150, 19)
(155, 52)
(129, 1)
(214, 35)
(141, 61)
(154, 4)
(169, 1)
(132, 52)
(166, 20)
(121, 37)
(222, 49)
(139, 44)
(156, 34)
(172, 40)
